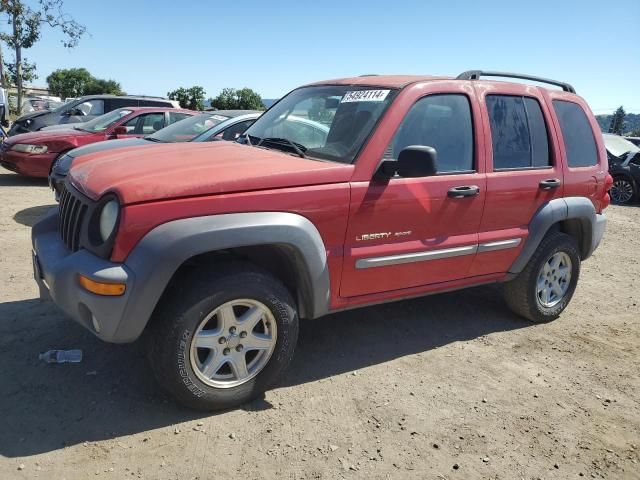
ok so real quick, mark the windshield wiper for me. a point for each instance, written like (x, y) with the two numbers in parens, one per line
(151, 139)
(300, 149)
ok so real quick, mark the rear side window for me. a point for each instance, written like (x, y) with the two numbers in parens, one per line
(155, 103)
(442, 122)
(518, 132)
(579, 142)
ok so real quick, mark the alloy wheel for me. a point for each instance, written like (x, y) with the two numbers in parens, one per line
(233, 343)
(554, 279)
(621, 191)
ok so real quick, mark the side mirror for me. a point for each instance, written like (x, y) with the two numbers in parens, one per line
(120, 130)
(413, 161)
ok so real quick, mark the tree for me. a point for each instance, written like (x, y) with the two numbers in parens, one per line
(26, 28)
(617, 121)
(75, 82)
(191, 98)
(28, 72)
(232, 99)
(69, 82)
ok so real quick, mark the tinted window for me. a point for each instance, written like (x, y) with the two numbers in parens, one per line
(518, 132)
(577, 134)
(155, 103)
(176, 117)
(114, 103)
(442, 122)
(234, 131)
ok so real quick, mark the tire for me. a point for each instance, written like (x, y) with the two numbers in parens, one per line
(523, 295)
(191, 305)
(623, 190)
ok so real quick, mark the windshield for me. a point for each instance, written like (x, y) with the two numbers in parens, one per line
(66, 105)
(326, 122)
(104, 121)
(619, 146)
(187, 129)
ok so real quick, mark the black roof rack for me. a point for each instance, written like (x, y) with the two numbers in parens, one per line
(369, 75)
(476, 74)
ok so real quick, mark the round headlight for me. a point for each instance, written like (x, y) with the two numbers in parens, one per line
(108, 219)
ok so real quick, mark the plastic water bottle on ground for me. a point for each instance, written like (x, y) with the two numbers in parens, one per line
(61, 356)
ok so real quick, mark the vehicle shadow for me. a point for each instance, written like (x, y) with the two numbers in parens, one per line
(112, 392)
(16, 180)
(31, 215)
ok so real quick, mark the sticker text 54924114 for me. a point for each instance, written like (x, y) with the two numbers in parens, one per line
(365, 96)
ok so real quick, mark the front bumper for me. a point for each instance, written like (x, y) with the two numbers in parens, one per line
(56, 270)
(27, 164)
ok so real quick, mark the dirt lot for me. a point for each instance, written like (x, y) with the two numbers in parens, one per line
(445, 387)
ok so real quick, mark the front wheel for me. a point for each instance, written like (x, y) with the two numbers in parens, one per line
(220, 340)
(544, 288)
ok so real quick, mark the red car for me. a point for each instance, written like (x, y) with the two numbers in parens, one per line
(415, 185)
(32, 154)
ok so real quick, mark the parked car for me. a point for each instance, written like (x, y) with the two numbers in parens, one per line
(421, 185)
(37, 104)
(32, 154)
(624, 167)
(219, 125)
(634, 140)
(83, 109)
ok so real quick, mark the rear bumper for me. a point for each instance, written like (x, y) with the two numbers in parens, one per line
(56, 270)
(599, 227)
(26, 164)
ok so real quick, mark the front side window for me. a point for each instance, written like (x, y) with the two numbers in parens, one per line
(518, 132)
(442, 122)
(330, 122)
(232, 132)
(104, 121)
(577, 134)
(145, 124)
(90, 107)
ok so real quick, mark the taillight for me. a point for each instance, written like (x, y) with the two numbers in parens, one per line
(606, 199)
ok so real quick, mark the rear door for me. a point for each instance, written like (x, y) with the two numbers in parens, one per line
(524, 170)
(410, 232)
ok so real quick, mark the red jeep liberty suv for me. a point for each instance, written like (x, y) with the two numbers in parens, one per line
(389, 187)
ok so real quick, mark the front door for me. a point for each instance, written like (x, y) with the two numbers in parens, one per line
(409, 232)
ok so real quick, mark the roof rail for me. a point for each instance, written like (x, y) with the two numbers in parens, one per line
(476, 74)
(369, 75)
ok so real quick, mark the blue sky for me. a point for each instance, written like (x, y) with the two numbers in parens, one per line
(152, 47)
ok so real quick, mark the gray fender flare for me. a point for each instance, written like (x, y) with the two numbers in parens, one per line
(552, 212)
(164, 249)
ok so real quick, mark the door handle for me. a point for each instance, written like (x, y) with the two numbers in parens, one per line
(549, 184)
(463, 191)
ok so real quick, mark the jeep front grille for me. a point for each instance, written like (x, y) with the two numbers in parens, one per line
(72, 213)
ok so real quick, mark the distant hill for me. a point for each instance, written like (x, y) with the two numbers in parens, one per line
(631, 122)
(267, 102)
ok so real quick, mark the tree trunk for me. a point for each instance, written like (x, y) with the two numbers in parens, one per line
(16, 35)
(2, 79)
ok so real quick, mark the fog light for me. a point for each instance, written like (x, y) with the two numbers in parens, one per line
(102, 288)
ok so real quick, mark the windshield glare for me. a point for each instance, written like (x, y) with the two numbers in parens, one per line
(104, 121)
(326, 122)
(189, 128)
(618, 145)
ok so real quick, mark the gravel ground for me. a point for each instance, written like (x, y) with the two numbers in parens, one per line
(452, 386)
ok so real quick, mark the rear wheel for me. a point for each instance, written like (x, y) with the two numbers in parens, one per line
(544, 288)
(219, 340)
(622, 191)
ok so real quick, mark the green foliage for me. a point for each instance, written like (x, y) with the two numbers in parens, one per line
(232, 99)
(191, 98)
(26, 24)
(631, 123)
(617, 121)
(28, 72)
(75, 82)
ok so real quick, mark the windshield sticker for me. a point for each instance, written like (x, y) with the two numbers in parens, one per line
(365, 96)
(219, 117)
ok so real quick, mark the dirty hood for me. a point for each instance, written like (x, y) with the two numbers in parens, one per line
(165, 171)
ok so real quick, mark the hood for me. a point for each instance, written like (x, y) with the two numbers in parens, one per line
(174, 170)
(37, 113)
(110, 145)
(48, 137)
(63, 126)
